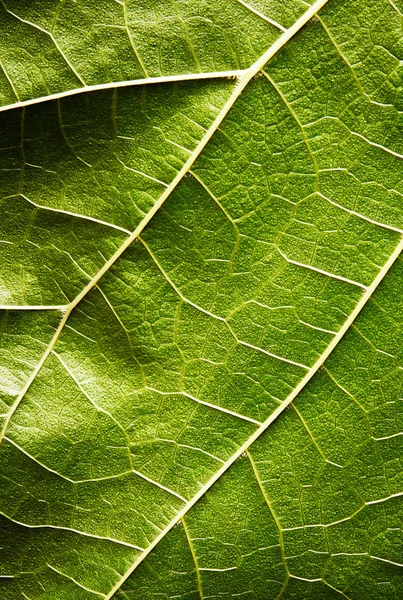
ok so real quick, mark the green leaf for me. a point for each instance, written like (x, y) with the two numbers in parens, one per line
(201, 318)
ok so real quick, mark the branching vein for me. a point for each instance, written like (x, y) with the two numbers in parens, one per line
(243, 78)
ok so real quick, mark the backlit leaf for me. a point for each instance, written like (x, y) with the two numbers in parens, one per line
(201, 317)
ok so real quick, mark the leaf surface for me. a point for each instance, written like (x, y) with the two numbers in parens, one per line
(200, 332)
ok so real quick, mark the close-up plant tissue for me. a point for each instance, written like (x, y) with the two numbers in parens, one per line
(201, 307)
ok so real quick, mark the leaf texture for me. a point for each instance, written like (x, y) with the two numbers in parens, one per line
(200, 300)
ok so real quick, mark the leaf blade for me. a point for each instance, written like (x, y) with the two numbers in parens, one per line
(320, 330)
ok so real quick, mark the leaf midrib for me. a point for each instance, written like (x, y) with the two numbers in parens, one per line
(258, 432)
(242, 82)
(243, 78)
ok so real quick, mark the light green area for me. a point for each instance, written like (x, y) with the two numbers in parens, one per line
(50, 47)
(106, 156)
(24, 336)
(54, 563)
(48, 257)
(315, 508)
(355, 140)
(130, 467)
(284, 13)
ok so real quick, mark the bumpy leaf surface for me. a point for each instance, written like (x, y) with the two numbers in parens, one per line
(201, 309)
